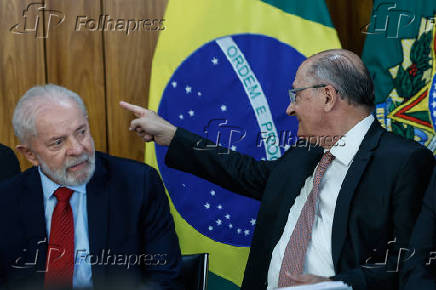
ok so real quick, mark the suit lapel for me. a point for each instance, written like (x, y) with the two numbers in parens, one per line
(348, 188)
(97, 207)
(31, 204)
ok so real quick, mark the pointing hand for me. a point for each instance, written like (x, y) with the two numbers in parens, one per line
(149, 125)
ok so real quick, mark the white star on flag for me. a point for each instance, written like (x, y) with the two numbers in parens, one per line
(210, 228)
(218, 222)
(188, 89)
(214, 61)
(191, 113)
(230, 226)
(212, 192)
(223, 108)
(207, 205)
(239, 231)
(181, 117)
(199, 94)
(227, 216)
(234, 147)
(219, 206)
(174, 84)
(246, 232)
(252, 222)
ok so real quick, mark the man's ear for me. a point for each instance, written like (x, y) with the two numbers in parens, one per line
(331, 97)
(25, 150)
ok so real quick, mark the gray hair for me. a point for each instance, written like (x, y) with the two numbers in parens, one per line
(31, 103)
(347, 73)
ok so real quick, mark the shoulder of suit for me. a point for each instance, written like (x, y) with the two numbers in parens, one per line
(6, 151)
(397, 151)
(123, 165)
(398, 143)
(18, 180)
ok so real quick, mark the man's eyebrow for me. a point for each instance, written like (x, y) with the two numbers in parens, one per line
(56, 138)
(80, 127)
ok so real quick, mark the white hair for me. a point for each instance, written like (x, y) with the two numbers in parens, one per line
(31, 103)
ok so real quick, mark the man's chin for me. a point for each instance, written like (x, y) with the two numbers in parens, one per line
(78, 177)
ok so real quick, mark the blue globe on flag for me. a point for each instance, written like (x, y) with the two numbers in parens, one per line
(223, 91)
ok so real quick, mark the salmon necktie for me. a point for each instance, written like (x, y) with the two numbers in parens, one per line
(295, 252)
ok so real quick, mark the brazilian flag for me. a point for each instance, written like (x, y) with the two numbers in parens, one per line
(400, 55)
(222, 69)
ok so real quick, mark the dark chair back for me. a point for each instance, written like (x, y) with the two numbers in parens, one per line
(194, 271)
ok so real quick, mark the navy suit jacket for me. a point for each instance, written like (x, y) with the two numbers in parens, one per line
(378, 202)
(128, 217)
(9, 165)
(419, 271)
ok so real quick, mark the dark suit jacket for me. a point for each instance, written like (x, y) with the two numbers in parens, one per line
(9, 165)
(416, 274)
(128, 214)
(378, 202)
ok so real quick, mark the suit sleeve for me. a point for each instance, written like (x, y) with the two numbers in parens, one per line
(416, 274)
(405, 202)
(231, 170)
(9, 165)
(161, 242)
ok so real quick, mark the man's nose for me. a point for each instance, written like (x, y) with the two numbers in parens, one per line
(75, 147)
(290, 111)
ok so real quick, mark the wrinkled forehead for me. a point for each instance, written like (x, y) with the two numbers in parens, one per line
(58, 118)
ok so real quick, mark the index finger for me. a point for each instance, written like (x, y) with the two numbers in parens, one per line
(137, 110)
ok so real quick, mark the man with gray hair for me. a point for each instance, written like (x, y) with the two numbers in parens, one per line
(339, 211)
(81, 218)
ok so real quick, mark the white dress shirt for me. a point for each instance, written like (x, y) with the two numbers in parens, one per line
(319, 259)
(82, 276)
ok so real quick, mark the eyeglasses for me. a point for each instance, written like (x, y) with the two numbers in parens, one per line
(293, 92)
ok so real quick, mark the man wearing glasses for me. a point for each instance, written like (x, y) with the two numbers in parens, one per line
(329, 212)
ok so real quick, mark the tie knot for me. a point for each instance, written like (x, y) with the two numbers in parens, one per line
(326, 159)
(63, 194)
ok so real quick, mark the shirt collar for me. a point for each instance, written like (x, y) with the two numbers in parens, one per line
(348, 145)
(49, 186)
